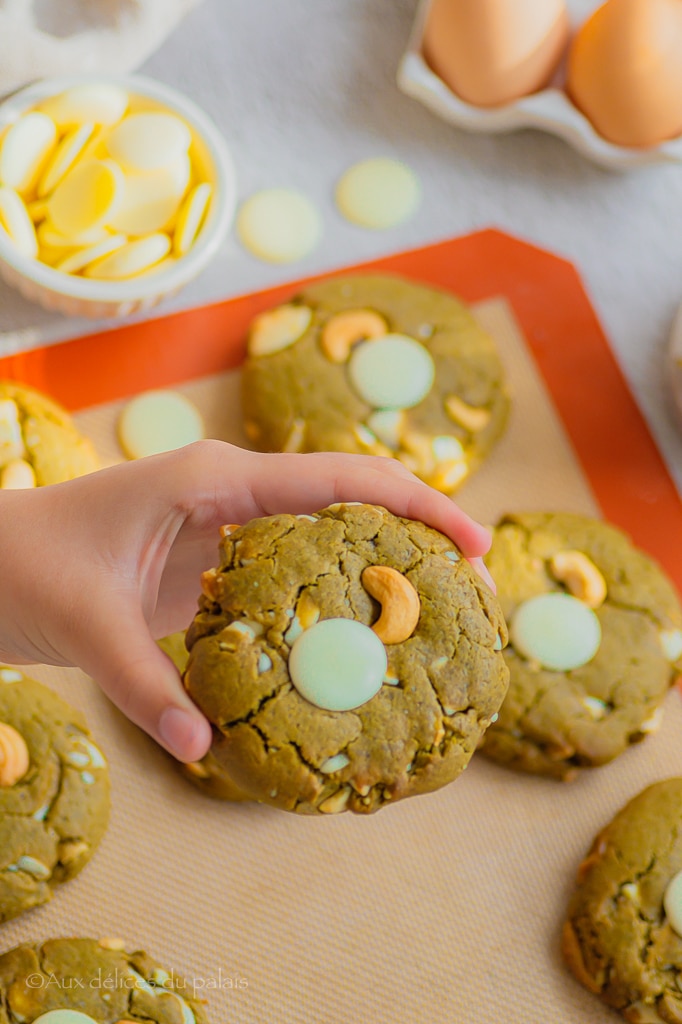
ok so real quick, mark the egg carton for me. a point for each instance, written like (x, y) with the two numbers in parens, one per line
(549, 110)
(675, 363)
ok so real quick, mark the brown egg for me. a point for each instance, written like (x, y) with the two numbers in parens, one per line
(625, 71)
(490, 52)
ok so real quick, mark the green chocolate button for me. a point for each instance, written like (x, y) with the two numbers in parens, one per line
(557, 630)
(338, 664)
(391, 372)
(64, 1017)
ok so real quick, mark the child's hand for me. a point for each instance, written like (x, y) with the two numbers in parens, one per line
(93, 568)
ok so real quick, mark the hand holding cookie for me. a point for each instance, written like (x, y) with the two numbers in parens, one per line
(104, 563)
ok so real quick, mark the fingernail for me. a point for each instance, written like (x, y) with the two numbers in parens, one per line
(482, 570)
(186, 736)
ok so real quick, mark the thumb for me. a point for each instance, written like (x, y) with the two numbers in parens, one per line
(142, 681)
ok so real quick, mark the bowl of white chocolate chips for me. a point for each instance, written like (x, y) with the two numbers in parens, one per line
(114, 193)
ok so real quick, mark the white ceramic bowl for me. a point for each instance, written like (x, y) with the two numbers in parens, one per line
(549, 110)
(80, 296)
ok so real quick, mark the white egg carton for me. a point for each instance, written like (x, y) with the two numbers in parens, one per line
(675, 362)
(549, 110)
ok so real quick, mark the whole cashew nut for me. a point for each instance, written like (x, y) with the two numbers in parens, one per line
(14, 756)
(471, 417)
(346, 329)
(581, 576)
(400, 604)
(278, 328)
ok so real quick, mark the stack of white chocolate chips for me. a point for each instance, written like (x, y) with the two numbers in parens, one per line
(97, 182)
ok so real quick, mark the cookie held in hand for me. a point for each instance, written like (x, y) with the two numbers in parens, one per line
(345, 660)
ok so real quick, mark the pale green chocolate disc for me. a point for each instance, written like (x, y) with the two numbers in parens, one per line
(378, 193)
(672, 902)
(391, 372)
(279, 225)
(557, 630)
(338, 664)
(64, 1017)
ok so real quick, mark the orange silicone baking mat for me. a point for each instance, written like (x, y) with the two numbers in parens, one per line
(445, 907)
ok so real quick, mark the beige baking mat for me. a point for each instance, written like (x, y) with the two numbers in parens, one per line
(447, 907)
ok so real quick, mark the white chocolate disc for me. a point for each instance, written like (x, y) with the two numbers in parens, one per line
(149, 141)
(672, 903)
(64, 1017)
(150, 200)
(190, 217)
(130, 259)
(15, 219)
(82, 258)
(87, 197)
(96, 104)
(391, 372)
(50, 238)
(378, 193)
(556, 630)
(338, 664)
(279, 225)
(63, 158)
(25, 148)
(158, 421)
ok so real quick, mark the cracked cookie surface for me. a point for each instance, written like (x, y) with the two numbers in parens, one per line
(277, 578)
(54, 807)
(617, 939)
(556, 722)
(93, 978)
(36, 430)
(298, 380)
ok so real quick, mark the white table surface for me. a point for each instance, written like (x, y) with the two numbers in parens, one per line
(303, 88)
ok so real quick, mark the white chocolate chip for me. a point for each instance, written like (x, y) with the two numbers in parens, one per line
(387, 424)
(11, 441)
(8, 675)
(264, 663)
(672, 903)
(158, 421)
(33, 867)
(278, 329)
(596, 707)
(77, 759)
(335, 763)
(64, 1017)
(454, 556)
(447, 449)
(378, 193)
(338, 664)
(557, 630)
(294, 440)
(671, 642)
(653, 723)
(391, 372)
(631, 891)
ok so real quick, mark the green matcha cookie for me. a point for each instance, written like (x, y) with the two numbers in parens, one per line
(85, 981)
(376, 365)
(595, 643)
(208, 775)
(54, 793)
(345, 660)
(39, 443)
(623, 935)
